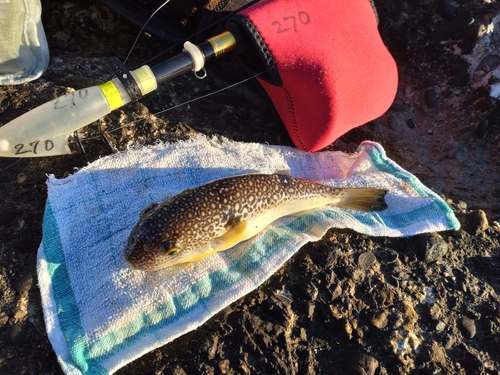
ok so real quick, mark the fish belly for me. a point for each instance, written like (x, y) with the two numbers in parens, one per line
(248, 228)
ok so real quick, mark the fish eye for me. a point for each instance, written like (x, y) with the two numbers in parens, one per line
(169, 248)
(172, 251)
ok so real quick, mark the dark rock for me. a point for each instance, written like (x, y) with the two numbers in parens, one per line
(472, 364)
(398, 107)
(474, 222)
(488, 63)
(431, 98)
(24, 244)
(140, 109)
(391, 280)
(431, 247)
(463, 26)
(482, 129)
(203, 368)
(464, 19)
(459, 68)
(493, 117)
(468, 327)
(24, 282)
(4, 177)
(232, 99)
(393, 8)
(6, 216)
(366, 260)
(14, 335)
(484, 102)
(219, 123)
(360, 364)
(77, 82)
(446, 9)
(431, 81)
(394, 122)
(450, 340)
(209, 107)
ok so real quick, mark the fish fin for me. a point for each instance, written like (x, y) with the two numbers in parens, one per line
(285, 172)
(148, 209)
(249, 171)
(232, 237)
(246, 172)
(364, 199)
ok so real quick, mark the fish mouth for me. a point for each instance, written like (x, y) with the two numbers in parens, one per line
(139, 267)
(131, 259)
(134, 266)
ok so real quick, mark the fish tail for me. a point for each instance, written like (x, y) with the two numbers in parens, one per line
(364, 199)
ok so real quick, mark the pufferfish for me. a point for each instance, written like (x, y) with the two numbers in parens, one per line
(222, 213)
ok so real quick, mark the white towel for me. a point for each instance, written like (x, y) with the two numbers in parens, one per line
(24, 52)
(101, 314)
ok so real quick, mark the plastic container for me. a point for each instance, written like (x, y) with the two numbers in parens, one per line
(44, 131)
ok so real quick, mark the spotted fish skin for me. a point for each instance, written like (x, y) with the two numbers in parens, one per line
(218, 215)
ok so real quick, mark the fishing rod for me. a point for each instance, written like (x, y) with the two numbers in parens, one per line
(323, 76)
(46, 129)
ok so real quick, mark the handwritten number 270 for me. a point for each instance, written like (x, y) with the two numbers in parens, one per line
(21, 148)
(291, 22)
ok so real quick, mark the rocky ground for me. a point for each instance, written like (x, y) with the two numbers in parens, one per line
(348, 304)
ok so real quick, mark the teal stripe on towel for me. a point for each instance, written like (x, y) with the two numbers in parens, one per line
(383, 164)
(69, 319)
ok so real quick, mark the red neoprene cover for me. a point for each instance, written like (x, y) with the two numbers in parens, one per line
(335, 70)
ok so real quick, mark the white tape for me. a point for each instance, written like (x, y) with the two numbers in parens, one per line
(196, 55)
